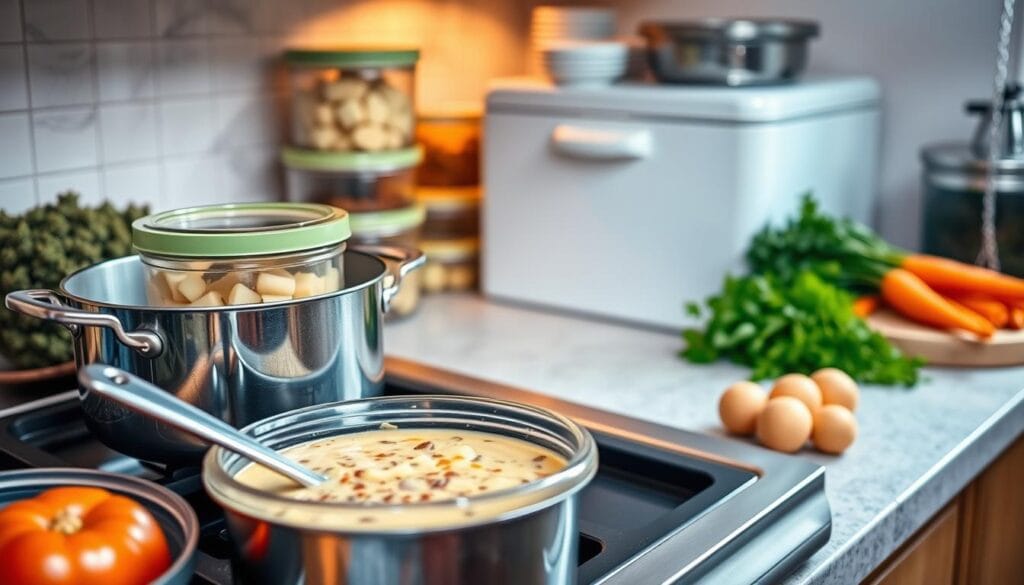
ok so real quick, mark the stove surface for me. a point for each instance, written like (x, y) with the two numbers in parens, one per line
(650, 490)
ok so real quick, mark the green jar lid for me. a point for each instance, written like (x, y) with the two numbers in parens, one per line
(325, 160)
(352, 56)
(240, 229)
(387, 222)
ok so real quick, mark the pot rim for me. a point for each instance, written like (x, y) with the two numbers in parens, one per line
(220, 309)
(138, 489)
(580, 468)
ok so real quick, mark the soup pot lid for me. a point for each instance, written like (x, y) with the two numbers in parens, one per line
(240, 229)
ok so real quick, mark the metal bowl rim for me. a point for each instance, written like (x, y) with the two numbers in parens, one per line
(577, 473)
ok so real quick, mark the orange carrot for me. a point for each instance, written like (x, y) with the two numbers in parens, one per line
(1016, 318)
(992, 309)
(908, 294)
(953, 276)
(865, 305)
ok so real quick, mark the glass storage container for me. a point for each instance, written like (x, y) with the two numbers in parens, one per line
(352, 99)
(450, 137)
(241, 254)
(452, 265)
(452, 212)
(396, 227)
(352, 181)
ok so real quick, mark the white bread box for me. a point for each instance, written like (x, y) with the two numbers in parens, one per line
(625, 202)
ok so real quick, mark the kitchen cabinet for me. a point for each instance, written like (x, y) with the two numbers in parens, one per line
(930, 556)
(975, 540)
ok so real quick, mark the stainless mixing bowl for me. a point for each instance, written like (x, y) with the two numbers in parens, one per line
(734, 52)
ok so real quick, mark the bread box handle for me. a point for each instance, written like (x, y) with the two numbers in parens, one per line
(601, 143)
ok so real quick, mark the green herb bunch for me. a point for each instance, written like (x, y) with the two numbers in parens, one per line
(41, 247)
(794, 313)
(776, 327)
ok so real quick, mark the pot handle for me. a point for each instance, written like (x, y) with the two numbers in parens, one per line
(45, 304)
(400, 262)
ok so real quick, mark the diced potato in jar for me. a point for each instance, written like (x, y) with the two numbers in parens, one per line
(210, 299)
(371, 137)
(395, 138)
(275, 284)
(173, 279)
(332, 279)
(461, 277)
(192, 287)
(345, 88)
(434, 277)
(224, 284)
(377, 110)
(308, 284)
(243, 295)
(323, 115)
(323, 137)
(350, 113)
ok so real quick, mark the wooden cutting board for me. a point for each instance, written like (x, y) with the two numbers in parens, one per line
(1006, 348)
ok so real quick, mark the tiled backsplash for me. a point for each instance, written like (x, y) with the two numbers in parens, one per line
(178, 102)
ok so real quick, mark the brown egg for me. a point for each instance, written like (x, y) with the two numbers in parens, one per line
(835, 428)
(739, 406)
(785, 424)
(800, 387)
(837, 387)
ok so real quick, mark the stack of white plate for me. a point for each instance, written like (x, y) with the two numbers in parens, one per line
(585, 63)
(551, 24)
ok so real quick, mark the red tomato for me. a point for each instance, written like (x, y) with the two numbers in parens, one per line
(80, 536)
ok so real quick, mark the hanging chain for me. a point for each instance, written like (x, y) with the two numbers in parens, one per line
(989, 254)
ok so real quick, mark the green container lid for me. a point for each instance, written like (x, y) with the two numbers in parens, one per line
(354, 56)
(332, 161)
(240, 229)
(387, 222)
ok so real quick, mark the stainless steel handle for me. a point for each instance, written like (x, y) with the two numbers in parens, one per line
(400, 261)
(139, 395)
(45, 304)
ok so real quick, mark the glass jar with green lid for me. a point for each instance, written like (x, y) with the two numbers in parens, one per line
(395, 227)
(352, 99)
(355, 181)
(242, 254)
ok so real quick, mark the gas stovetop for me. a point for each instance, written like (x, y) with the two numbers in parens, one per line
(666, 505)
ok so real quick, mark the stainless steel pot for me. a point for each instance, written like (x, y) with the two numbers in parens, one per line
(735, 52)
(241, 364)
(176, 518)
(524, 535)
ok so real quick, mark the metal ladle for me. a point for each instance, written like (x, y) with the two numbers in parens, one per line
(136, 394)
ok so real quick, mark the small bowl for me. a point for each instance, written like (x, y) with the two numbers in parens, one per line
(177, 520)
(584, 63)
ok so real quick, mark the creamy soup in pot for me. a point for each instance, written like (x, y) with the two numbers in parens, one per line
(406, 466)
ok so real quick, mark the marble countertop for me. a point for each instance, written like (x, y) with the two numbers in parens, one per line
(916, 450)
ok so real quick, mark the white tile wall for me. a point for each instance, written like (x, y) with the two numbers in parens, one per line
(17, 195)
(56, 20)
(192, 181)
(124, 70)
(65, 139)
(15, 135)
(129, 132)
(138, 182)
(85, 182)
(187, 126)
(60, 74)
(184, 67)
(10, 21)
(122, 19)
(13, 83)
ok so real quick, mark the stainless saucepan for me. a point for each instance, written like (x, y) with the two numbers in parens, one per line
(241, 364)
